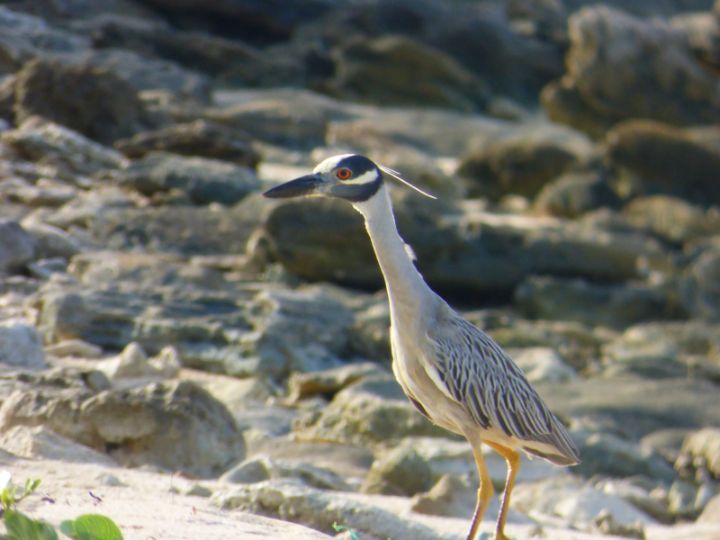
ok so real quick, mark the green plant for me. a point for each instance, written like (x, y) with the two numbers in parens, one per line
(343, 528)
(21, 527)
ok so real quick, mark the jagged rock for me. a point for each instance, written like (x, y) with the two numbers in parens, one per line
(133, 363)
(175, 425)
(603, 85)
(420, 75)
(101, 105)
(20, 345)
(198, 138)
(202, 180)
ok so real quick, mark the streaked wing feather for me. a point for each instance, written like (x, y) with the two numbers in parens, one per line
(476, 373)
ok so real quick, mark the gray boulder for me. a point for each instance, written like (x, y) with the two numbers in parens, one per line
(20, 345)
(17, 246)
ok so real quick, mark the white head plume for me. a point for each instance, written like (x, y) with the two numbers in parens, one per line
(396, 176)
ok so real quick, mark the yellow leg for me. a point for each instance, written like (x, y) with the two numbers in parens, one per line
(484, 493)
(513, 462)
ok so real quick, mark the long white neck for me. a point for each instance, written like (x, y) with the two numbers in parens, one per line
(407, 291)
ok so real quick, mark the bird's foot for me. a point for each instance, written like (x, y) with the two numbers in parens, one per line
(499, 535)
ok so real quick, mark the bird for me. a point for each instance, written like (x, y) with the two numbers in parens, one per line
(454, 373)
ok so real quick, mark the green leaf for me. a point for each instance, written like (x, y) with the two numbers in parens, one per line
(91, 527)
(21, 527)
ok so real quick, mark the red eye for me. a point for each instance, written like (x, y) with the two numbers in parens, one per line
(343, 174)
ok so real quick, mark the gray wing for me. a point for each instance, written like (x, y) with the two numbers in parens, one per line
(475, 372)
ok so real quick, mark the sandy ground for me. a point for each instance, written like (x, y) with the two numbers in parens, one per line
(148, 505)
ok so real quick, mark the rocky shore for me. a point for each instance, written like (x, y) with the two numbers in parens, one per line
(206, 363)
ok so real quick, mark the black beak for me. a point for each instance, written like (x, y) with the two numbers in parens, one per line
(305, 185)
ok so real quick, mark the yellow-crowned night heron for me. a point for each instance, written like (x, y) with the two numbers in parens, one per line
(454, 373)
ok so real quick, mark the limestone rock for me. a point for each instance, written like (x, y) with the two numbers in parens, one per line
(672, 219)
(199, 138)
(51, 144)
(288, 499)
(24, 36)
(101, 105)
(702, 449)
(603, 453)
(543, 364)
(134, 363)
(602, 85)
(667, 160)
(573, 194)
(699, 289)
(420, 75)
(402, 471)
(175, 425)
(577, 502)
(578, 300)
(262, 468)
(144, 73)
(202, 180)
(39, 442)
(367, 413)
(521, 166)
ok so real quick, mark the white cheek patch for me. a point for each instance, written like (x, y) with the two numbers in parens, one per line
(365, 178)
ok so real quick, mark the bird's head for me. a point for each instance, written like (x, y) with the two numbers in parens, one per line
(352, 177)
